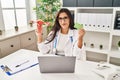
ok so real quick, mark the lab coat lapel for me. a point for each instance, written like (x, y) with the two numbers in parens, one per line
(58, 36)
(68, 48)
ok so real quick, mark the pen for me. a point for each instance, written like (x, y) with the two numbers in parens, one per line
(22, 63)
(71, 38)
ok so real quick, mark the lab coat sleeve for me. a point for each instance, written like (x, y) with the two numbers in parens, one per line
(45, 48)
(78, 52)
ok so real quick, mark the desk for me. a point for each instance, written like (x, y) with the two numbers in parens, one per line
(83, 70)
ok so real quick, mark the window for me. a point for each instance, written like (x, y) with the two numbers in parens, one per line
(14, 12)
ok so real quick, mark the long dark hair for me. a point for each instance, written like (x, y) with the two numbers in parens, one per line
(56, 26)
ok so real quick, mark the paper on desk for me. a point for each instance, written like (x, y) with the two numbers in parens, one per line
(105, 72)
(24, 63)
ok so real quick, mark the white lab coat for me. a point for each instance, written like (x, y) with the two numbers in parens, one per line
(71, 48)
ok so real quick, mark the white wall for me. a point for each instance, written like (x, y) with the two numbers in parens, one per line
(33, 13)
(1, 20)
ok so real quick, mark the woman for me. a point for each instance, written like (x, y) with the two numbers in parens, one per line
(64, 39)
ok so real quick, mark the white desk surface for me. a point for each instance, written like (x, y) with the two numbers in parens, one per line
(83, 70)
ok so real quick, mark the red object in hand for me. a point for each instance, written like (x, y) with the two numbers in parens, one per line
(47, 23)
(39, 25)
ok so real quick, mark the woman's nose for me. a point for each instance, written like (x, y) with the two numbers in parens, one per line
(63, 21)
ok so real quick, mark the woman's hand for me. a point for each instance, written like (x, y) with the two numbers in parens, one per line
(39, 36)
(81, 33)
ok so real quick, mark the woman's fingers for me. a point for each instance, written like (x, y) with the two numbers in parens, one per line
(81, 32)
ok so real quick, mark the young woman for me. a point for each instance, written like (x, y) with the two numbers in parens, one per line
(64, 39)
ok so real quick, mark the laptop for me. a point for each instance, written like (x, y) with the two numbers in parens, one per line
(57, 64)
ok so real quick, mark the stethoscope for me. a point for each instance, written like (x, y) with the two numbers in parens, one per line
(55, 43)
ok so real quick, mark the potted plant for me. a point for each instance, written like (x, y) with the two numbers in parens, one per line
(46, 10)
(0, 32)
(84, 44)
(101, 46)
(119, 45)
(16, 28)
(92, 45)
(31, 23)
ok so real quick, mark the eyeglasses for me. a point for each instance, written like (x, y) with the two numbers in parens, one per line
(64, 18)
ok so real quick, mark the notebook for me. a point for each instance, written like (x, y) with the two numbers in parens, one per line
(57, 64)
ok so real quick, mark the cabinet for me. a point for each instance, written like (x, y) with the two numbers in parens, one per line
(69, 3)
(28, 40)
(114, 56)
(103, 3)
(25, 40)
(99, 25)
(9, 46)
(91, 3)
(117, 20)
(85, 3)
(116, 3)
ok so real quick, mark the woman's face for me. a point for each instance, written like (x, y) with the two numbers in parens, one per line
(64, 20)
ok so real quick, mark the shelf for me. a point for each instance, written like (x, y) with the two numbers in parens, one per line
(95, 8)
(11, 33)
(71, 8)
(90, 8)
(97, 30)
(114, 53)
(98, 23)
(103, 51)
(115, 32)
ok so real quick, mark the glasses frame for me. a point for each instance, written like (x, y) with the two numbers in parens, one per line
(64, 19)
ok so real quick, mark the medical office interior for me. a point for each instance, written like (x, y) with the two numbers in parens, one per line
(100, 19)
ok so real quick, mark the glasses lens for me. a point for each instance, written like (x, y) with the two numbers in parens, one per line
(64, 18)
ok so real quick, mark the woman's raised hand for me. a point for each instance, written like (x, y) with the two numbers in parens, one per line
(81, 32)
(39, 36)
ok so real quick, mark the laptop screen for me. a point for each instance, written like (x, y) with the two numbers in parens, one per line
(57, 64)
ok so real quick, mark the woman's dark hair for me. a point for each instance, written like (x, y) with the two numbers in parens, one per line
(56, 26)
